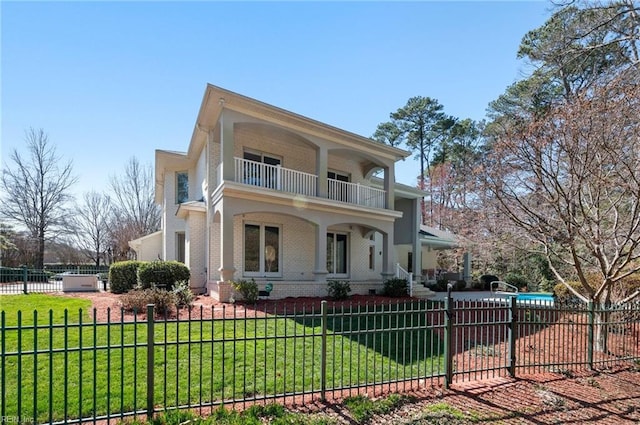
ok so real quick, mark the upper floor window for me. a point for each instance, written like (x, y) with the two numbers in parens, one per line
(262, 157)
(182, 187)
(336, 175)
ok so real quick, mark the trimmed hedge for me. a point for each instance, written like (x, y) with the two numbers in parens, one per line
(123, 276)
(127, 275)
(162, 274)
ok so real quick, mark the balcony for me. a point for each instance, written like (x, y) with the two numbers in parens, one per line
(276, 177)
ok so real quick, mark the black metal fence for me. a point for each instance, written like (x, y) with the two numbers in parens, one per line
(23, 280)
(68, 367)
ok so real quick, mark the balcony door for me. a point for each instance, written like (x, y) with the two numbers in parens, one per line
(262, 171)
(337, 188)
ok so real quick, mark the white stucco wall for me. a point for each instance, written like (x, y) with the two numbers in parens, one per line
(295, 154)
(197, 189)
(149, 247)
(195, 238)
(172, 224)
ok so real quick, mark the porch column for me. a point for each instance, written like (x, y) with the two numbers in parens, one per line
(320, 272)
(227, 268)
(389, 181)
(321, 171)
(226, 148)
(415, 239)
(388, 268)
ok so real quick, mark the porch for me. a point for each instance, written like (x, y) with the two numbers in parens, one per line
(223, 291)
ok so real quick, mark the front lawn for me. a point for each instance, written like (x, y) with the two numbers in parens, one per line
(86, 368)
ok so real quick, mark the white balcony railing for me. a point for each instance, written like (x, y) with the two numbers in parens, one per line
(275, 177)
(286, 180)
(355, 193)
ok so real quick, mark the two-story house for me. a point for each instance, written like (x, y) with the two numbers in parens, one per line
(268, 194)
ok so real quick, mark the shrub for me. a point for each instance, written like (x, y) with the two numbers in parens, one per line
(517, 280)
(248, 289)
(460, 285)
(137, 300)
(477, 285)
(338, 289)
(546, 285)
(162, 274)
(123, 276)
(486, 280)
(564, 296)
(182, 293)
(619, 291)
(396, 288)
(439, 286)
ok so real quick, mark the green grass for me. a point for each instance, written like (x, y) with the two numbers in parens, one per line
(42, 303)
(97, 368)
(443, 411)
(273, 414)
(363, 408)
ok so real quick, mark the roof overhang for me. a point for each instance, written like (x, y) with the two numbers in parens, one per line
(192, 206)
(217, 99)
(400, 190)
(436, 238)
(167, 160)
(136, 243)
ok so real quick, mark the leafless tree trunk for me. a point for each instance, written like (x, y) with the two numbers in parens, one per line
(92, 225)
(36, 190)
(135, 212)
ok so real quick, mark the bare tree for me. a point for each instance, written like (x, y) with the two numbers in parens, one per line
(135, 212)
(8, 248)
(571, 180)
(36, 190)
(92, 225)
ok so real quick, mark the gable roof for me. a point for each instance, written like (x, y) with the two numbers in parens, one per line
(217, 98)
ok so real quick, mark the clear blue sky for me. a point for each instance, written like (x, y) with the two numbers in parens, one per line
(111, 80)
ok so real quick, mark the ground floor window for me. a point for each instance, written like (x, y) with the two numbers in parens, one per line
(262, 250)
(337, 254)
(180, 247)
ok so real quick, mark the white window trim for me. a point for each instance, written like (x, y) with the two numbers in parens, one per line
(348, 261)
(180, 235)
(339, 173)
(262, 155)
(262, 273)
(177, 186)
